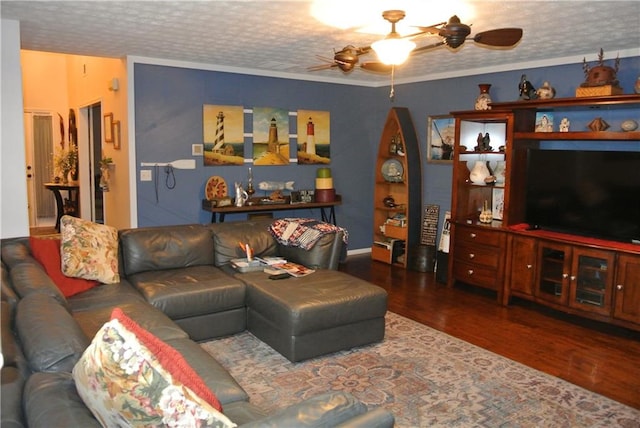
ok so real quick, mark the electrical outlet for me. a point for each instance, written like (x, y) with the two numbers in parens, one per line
(145, 175)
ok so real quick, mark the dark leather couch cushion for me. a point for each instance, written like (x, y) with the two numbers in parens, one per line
(325, 254)
(10, 350)
(11, 404)
(51, 339)
(8, 293)
(156, 248)
(148, 317)
(51, 400)
(15, 251)
(319, 301)
(216, 377)
(226, 237)
(191, 291)
(107, 295)
(30, 277)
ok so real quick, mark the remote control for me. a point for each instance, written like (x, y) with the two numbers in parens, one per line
(280, 276)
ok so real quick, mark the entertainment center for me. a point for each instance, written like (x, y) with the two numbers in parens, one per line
(561, 225)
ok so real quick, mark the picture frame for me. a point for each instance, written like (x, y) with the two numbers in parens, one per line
(440, 138)
(108, 127)
(116, 135)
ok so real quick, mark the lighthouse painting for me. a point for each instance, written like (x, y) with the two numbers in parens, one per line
(313, 137)
(270, 136)
(223, 132)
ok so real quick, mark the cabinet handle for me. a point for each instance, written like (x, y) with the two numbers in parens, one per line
(573, 278)
(472, 235)
(471, 255)
(565, 275)
(529, 266)
(470, 271)
(619, 287)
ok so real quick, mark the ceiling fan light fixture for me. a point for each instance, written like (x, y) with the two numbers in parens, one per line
(393, 50)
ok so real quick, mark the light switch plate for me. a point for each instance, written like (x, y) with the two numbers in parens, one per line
(145, 175)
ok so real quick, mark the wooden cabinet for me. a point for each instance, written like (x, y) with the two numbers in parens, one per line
(593, 278)
(522, 266)
(483, 141)
(577, 277)
(479, 256)
(627, 289)
(397, 190)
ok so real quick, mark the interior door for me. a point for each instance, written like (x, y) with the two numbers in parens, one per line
(39, 148)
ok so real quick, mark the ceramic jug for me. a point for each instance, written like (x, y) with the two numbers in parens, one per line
(241, 195)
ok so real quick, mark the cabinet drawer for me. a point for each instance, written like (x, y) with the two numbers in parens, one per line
(477, 254)
(395, 232)
(478, 234)
(474, 274)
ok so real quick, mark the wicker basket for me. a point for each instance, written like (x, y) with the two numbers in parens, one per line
(597, 91)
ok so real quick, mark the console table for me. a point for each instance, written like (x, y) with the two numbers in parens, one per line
(71, 207)
(329, 217)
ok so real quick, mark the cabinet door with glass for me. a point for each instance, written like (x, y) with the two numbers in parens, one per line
(591, 280)
(554, 264)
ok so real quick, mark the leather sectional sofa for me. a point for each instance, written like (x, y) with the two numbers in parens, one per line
(176, 282)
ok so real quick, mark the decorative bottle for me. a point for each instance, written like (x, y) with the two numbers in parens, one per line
(483, 100)
(479, 172)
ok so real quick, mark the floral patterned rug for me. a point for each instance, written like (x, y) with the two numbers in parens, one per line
(425, 378)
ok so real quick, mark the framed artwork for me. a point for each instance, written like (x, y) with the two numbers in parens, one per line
(116, 134)
(313, 137)
(497, 203)
(270, 136)
(108, 128)
(441, 136)
(223, 133)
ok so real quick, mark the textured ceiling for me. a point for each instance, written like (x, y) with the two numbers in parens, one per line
(281, 38)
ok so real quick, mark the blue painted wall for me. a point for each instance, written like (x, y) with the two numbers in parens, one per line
(168, 109)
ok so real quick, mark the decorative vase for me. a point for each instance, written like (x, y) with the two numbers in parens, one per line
(486, 216)
(499, 172)
(479, 172)
(483, 100)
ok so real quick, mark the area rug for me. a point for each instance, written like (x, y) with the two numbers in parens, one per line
(425, 378)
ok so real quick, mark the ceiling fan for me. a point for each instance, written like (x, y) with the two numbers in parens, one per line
(452, 34)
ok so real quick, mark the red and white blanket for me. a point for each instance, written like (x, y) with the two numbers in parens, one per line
(303, 232)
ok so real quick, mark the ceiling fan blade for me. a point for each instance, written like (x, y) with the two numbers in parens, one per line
(376, 66)
(433, 29)
(427, 47)
(502, 37)
(321, 67)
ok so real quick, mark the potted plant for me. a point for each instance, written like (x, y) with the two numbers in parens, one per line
(66, 162)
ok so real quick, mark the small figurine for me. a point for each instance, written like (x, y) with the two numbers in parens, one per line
(478, 148)
(546, 92)
(527, 91)
(564, 125)
(485, 143)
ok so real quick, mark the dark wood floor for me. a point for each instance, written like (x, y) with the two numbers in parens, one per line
(595, 356)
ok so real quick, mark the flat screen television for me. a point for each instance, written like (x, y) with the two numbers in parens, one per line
(589, 193)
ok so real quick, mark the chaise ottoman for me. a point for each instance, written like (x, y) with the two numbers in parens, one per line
(321, 313)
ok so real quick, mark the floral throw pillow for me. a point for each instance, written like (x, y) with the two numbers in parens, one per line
(89, 250)
(128, 377)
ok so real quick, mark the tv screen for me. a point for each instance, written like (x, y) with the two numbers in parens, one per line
(590, 193)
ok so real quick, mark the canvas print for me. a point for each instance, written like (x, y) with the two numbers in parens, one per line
(270, 136)
(544, 122)
(313, 137)
(441, 136)
(223, 131)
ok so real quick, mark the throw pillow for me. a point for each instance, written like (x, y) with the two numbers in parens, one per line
(47, 252)
(89, 250)
(128, 377)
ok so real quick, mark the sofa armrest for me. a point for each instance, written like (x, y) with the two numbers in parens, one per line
(376, 418)
(325, 254)
(328, 410)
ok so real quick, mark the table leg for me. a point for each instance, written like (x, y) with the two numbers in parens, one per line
(332, 215)
(59, 206)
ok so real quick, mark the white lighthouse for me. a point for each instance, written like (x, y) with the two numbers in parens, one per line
(311, 138)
